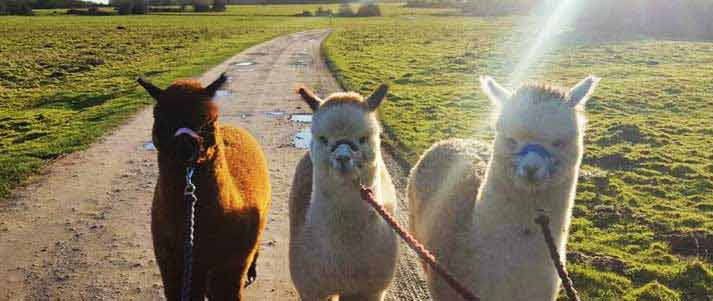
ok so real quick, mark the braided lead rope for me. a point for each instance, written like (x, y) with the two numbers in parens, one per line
(544, 223)
(191, 199)
(368, 195)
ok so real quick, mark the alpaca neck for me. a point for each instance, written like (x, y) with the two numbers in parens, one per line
(502, 199)
(339, 199)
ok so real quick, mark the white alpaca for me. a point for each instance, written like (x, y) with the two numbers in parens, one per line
(338, 244)
(478, 220)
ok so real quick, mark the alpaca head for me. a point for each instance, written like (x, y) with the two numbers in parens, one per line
(184, 119)
(538, 131)
(345, 133)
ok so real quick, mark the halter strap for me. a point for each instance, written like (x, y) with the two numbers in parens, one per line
(535, 148)
(188, 132)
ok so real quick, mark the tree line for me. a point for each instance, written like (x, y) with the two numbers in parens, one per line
(124, 7)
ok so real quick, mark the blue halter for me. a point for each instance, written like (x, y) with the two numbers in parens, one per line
(535, 148)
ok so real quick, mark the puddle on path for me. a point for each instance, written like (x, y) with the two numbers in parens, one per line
(301, 58)
(244, 66)
(275, 113)
(149, 146)
(301, 118)
(259, 53)
(222, 93)
(302, 139)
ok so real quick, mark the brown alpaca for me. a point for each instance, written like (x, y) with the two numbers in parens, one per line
(233, 192)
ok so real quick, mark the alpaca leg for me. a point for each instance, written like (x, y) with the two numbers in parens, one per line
(363, 296)
(198, 283)
(171, 276)
(224, 284)
(441, 290)
(168, 262)
(252, 272)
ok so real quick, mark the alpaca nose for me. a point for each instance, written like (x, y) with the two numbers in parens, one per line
(343, 159)
(343, 154)
(530, 172)
(186, 148)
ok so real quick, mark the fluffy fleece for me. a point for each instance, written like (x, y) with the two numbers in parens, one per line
(233, 193)
(476, 208)
(339, 246)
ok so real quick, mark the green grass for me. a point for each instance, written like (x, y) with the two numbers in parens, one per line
(647, 171)
(49, 11)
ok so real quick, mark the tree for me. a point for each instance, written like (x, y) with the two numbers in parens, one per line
(369, 10)
(219, 5)
(139, 7)
(124, 7)
(202, 5)
(128, 7)
(16, 7)
(345, 10)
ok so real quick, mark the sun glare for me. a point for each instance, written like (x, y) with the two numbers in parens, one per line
(546, 39)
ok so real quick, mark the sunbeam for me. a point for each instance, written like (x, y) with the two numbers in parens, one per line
(545, 41)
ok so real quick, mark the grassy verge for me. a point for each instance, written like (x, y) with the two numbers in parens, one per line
(645, 195)
(64, 81)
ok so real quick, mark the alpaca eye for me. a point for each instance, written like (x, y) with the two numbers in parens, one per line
(558, 143)
(323, 140)
(362, 140)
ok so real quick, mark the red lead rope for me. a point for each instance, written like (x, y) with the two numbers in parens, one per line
(368, 195)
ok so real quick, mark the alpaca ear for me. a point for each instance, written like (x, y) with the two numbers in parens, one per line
(497, 94)
(213, 87)
(375, 99)
(153, 90)
(581, 92)
(312, 100)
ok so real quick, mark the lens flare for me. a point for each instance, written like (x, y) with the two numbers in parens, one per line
(546, 39)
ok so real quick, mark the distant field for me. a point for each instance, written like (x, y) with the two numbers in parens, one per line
(387, 9)
(647, 178)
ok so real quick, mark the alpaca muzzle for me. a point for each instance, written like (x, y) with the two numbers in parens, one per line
(343, 157)
(188, 145)
(535, 163)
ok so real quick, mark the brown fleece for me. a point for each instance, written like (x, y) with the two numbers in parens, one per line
(233, 192)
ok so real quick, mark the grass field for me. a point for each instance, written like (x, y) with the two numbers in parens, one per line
(646, 183)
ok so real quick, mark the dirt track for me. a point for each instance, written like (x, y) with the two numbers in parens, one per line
(80, 229)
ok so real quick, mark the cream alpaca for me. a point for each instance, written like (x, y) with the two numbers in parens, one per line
(479, 220)
(338, 245)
